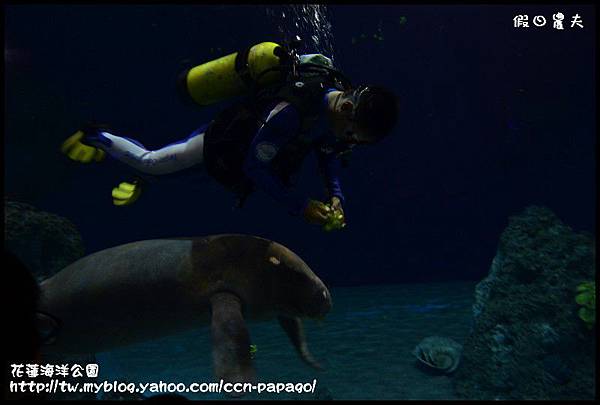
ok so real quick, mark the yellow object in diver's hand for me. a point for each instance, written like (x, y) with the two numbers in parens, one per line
(335, 220)
(126, 193)
(80, 152)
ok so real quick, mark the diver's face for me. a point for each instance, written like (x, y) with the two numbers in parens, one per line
(345, 126)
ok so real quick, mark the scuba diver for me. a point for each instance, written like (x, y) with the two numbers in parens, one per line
(292, 104)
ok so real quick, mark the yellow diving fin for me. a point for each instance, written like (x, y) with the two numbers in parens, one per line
(126, 193)
(80, 152)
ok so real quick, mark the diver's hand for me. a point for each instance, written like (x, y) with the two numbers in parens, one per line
(336, 204)
(316, 212)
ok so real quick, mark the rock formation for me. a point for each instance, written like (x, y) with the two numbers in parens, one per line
(527, 340)
(44, 242)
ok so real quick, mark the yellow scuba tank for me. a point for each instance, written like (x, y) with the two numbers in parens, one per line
(233, 75)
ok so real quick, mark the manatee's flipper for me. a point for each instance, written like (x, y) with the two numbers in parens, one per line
(48, 327)
(295, 331)
(230, 340)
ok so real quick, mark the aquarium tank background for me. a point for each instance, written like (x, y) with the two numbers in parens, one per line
(469, 247)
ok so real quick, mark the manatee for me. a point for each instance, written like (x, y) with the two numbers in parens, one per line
(154, 288)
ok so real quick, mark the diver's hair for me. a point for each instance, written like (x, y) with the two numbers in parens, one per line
(376, 111)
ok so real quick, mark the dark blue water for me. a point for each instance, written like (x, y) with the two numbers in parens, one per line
(493, 119)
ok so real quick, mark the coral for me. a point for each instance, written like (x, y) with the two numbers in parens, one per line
(587, 298)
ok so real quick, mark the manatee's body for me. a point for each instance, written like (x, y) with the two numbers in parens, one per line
(155, 288)
(150, 289)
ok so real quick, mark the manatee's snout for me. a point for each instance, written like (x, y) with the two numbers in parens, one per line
(297, 290)
(320, 303)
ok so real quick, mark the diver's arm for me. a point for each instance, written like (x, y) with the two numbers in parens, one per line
(329, 167)
(169, 159)
(281, 125)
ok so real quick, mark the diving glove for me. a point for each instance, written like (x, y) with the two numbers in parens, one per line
(79, 151)
(316, 212)
(126, 193)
